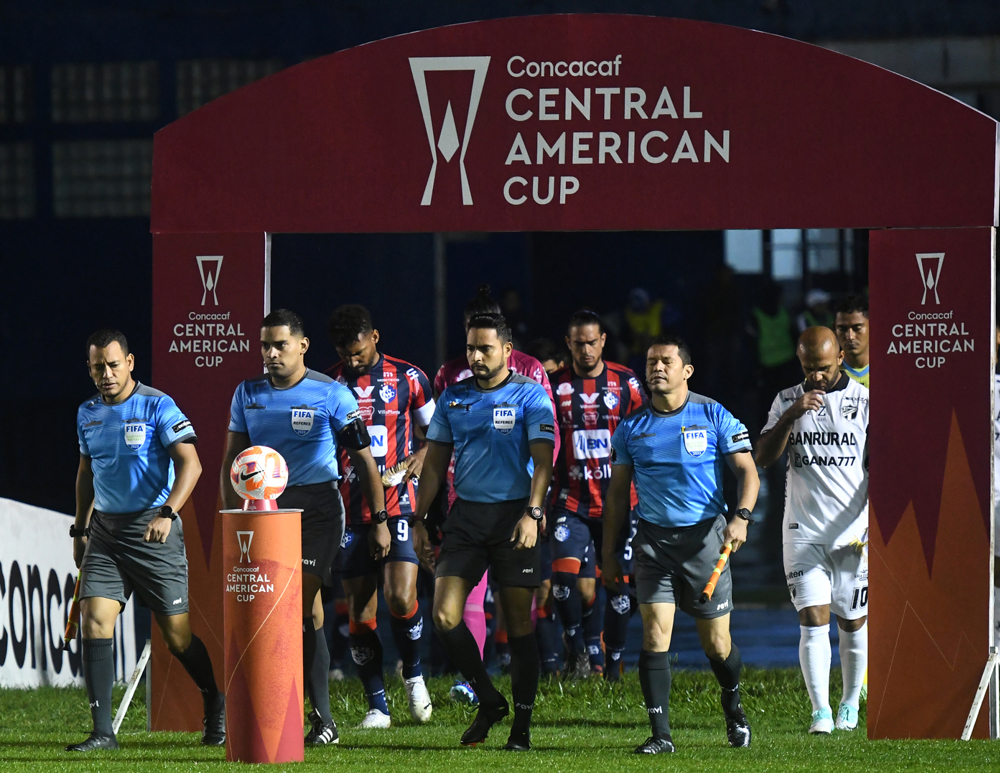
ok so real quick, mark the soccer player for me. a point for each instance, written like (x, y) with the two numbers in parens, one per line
(306, 416)
(496, 422)
(674, 449)
(851, 326)
(138, 466)
(396, 405)
(823, 422)
(594, 395)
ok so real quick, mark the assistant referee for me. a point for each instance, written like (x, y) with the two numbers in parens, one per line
(138, 466)
(674, 449)
(497, 422)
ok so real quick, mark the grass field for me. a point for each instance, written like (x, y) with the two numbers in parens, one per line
(578, 728)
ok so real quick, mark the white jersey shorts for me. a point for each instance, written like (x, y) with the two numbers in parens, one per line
(822, 574)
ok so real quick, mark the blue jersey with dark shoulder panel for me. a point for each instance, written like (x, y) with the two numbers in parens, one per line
(300, 423)
(677, 459)
(491, 431)
(128, 445)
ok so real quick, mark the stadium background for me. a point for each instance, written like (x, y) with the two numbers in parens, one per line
(82, 89)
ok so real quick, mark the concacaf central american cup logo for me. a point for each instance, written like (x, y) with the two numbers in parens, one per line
(209, 267)
(930, 264)
(443, 135)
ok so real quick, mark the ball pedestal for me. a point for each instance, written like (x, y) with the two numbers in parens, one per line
(262, 617)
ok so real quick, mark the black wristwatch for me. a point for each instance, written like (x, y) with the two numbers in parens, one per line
(381, 516)
(75, 532)
(746, 515)
(166, 511)
(534, 512)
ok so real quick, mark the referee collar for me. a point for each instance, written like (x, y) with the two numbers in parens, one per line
(670, 413)
(841, 384)
(501, 385)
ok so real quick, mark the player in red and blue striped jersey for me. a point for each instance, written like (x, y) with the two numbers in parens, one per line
(396, 404)
(592, 397)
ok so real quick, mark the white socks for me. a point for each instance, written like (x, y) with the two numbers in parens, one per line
(814, 657)
(854, 663)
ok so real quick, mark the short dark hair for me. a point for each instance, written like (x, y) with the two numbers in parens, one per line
(543, 349)
(482, 303)
(585, 317)
(348, 323)
(851, 304)
(105, 337)
(672, 340)
(284, 318)
(491, 322)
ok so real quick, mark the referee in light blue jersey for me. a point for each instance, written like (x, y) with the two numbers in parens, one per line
(497, 422)
(674, 449)
(138, 466)
(304, 416)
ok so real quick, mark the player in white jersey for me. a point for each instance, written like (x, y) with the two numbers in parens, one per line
(823, 423)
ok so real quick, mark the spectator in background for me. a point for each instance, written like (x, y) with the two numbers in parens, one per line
(720, 325)
(816, 313)
(510, 307)
(645, 320)
(548, 353)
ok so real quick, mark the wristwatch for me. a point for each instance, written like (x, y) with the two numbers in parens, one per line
(381, 516)
(166, 511)
(746, 515)
(75, 532)
(534, 512)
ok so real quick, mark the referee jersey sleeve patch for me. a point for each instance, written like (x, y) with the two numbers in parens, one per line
(547, 428)
(181, 426)
(741, 437)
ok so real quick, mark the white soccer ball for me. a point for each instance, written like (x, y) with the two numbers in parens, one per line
(259, 472)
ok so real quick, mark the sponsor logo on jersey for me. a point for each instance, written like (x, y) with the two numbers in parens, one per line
(591, 444)
(504, 418)
(565, 388)
(413, 374)
(929, 264)
(387, 393)
(302, 420)
(634, 383)
(347, 539)
(695, 440)
(849, 408)
(576, 472)
(135, 434)
(380, 438)
(367, 411)
(562, 533)
(180, 426)
(741, 437)
(589, 399)
(611, 400)
(550, 428)
(364, 392)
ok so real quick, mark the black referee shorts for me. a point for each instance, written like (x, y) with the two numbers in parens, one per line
(322, 525)
(118, 562)
(477, 535)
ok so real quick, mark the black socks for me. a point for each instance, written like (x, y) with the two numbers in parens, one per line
(197, 663)
(99, 675)
(463, 652)
(728, 673)
(525, 667)
(316, 669)
(654, 676)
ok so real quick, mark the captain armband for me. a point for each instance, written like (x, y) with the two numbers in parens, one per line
(354, 436)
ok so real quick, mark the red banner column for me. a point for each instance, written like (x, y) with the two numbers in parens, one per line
(209, 296)
(262, 560)
(930, 445)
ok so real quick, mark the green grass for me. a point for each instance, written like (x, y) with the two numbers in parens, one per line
(578, 728)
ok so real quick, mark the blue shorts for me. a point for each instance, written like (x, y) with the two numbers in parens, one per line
(577, 541)
(355, 559)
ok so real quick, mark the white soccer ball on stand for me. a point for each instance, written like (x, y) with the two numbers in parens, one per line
(259, 475)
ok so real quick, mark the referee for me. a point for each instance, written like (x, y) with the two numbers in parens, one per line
(674, 450)
(497, 422)
(138, 466)
(305, 416)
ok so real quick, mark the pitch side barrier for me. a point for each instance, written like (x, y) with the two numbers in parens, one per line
(603, 122)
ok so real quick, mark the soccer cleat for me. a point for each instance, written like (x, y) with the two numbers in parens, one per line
(822, 722)
(577, 667)
(337, 674)
(738, 730)
(486, 717)
(321, 733)
(847, 717)
(214, 724)
(420, 700)
(656, 745)
(462, 692)
(94, 741)
(519, 741)
(375, 720)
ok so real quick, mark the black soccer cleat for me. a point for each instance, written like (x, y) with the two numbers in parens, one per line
(577, 667)
(214, 731)
(519, 741)
(94, 741)
(738, 730)
(486, 717)
(656, 745)
(322, 733)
